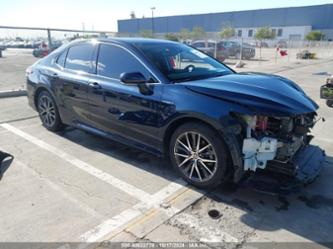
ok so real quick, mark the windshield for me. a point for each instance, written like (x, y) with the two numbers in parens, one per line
(179, 62)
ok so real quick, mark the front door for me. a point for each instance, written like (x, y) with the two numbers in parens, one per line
(126, 111)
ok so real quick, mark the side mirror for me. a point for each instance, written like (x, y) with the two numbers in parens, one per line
(133, 78)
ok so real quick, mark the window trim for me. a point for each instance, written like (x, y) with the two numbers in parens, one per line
(130, 52)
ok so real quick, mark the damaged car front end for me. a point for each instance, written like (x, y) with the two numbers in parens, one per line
(169, 99)
(281, 144)
(268, 126)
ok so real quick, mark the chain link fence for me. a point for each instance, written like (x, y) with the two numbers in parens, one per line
(251, 51)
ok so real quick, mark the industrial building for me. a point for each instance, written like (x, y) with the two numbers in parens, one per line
(288, 23)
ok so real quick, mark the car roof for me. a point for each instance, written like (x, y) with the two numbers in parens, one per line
(123, 41)
(131, 41)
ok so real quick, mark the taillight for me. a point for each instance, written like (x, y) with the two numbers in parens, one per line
(262, 123)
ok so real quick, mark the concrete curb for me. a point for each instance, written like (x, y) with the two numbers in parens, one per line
(13, 93)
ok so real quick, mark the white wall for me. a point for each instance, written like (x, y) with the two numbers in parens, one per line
(290, 32)
(328, 33)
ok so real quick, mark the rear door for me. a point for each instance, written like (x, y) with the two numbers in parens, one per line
(73, 79)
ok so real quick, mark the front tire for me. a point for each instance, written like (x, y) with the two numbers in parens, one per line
(329, 103)
(199, 155)
(48, 112)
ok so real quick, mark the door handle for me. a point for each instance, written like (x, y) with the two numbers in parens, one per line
(95, 85)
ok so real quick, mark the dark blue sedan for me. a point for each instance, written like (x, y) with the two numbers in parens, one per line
(172, 100)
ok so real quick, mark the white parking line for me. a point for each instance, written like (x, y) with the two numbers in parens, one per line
(124, 217)
(111, 227)
(147, 201)
(115, 182)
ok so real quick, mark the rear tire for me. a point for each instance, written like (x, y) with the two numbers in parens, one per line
(329, 103)
(199, 155)
(48, 112)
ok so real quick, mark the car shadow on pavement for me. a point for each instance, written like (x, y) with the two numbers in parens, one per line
(306, 211)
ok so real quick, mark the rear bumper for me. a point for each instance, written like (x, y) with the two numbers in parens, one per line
(31, 95)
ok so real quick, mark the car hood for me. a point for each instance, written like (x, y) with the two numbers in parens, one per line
(261, 93)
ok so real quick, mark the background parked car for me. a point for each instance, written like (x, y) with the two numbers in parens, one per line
(259, 44)
(44, 49)
(2, 47)
(209, 48)
(282, 44)
(234, 49)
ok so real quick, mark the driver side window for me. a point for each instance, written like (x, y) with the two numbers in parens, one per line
(114, 60)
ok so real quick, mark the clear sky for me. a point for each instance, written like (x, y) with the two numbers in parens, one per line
(103, 14)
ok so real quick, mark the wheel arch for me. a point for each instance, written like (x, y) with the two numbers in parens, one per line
(177, 123)
(57, 123)
(229, 138)
(40, 89)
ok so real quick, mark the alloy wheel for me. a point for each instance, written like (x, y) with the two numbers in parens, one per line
(47, 110)
(195, 156)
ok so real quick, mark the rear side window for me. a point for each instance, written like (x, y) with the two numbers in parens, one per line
(79, 58)
(113, 61)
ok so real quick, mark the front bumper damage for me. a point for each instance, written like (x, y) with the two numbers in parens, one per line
(305, 166)
(309, 162)
(284, 149)
(303, 170)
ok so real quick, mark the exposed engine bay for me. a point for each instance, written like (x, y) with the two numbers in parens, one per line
(276, 142)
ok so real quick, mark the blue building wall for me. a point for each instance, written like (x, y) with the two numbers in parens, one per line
(319, 17)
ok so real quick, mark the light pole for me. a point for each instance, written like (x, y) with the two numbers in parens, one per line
(152, 20)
